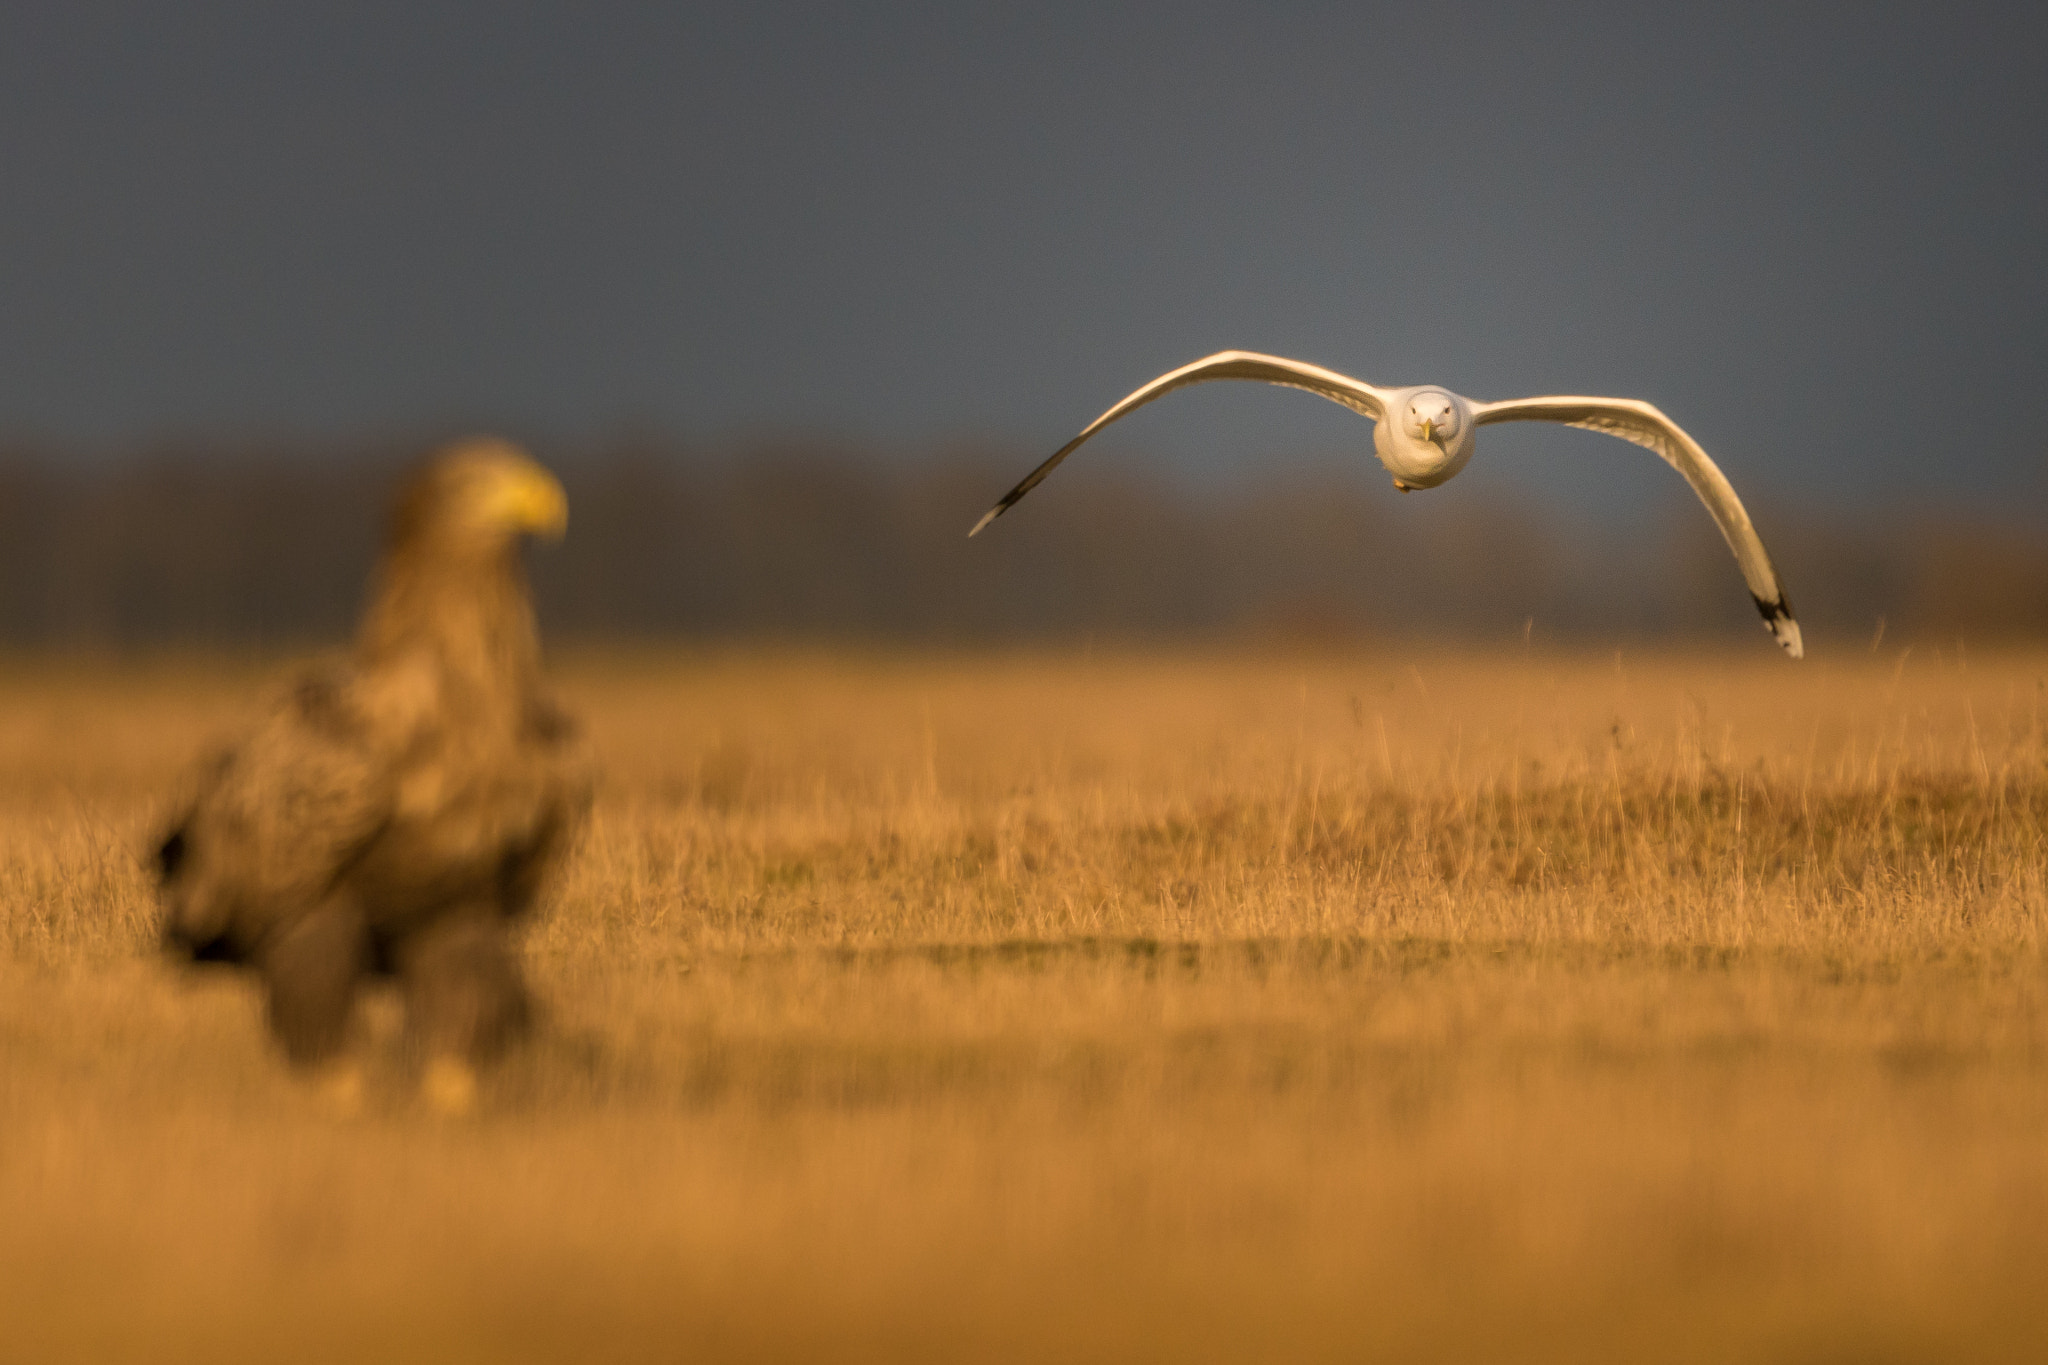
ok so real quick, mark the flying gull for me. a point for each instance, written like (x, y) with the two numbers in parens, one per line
(1432, 438)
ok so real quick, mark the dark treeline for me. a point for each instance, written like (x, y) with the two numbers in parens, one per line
(813, 541)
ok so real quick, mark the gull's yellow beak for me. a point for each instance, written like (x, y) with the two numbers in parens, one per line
(533, 501)
(1429, 428)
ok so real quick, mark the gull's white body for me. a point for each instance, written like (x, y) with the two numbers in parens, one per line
(1425, 434)
(1414, 461)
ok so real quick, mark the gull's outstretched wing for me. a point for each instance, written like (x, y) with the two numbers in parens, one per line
(1633, 420)
(1270, 369)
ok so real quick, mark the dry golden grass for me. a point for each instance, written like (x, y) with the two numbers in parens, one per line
(1145, 1007)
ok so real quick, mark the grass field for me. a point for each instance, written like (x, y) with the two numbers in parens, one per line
(1146, 1006)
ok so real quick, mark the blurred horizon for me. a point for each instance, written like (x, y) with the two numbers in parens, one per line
(796, 539)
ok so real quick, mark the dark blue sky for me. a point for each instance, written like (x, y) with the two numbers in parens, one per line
(1818, 239)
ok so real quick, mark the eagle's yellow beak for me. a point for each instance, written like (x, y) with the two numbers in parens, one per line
(532, 501)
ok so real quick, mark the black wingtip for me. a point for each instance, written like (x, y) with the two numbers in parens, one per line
(1777, 614)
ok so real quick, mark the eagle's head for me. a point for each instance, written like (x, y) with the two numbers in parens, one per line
(480, 495)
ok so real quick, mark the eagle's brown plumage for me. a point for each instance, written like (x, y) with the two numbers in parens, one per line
(398, 811)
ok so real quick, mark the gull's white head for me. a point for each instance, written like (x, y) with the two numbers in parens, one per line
(1431, 415)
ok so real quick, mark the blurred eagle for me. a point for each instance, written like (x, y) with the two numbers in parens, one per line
(398, 811)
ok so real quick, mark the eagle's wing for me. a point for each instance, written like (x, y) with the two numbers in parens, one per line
(277, 821)
(1269, 369)
(555, 751)
(1641, 423)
